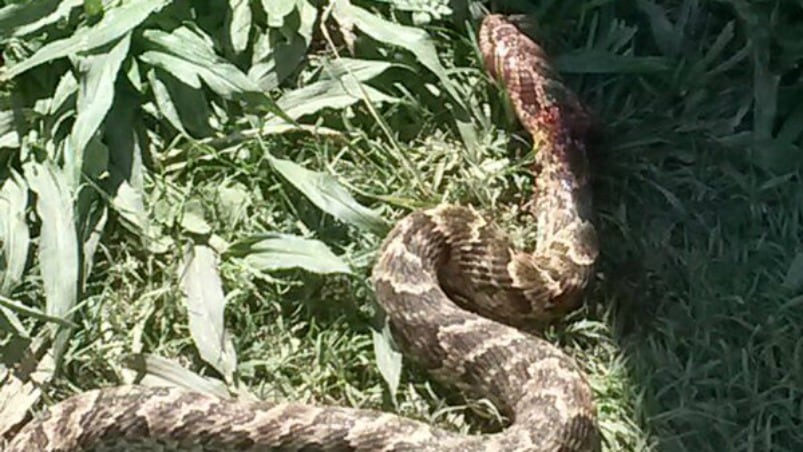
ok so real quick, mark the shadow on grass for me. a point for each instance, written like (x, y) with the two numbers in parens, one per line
(698, 245)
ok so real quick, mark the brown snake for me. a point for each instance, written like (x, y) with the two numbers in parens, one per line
(449, 282)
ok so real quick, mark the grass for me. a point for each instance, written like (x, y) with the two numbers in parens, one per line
(691, 332)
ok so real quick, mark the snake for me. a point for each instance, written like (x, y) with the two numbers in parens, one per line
(459, 298)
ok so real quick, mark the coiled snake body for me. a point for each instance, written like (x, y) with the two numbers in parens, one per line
(449, 282)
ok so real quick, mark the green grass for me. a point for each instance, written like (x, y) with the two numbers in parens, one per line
(691, 332)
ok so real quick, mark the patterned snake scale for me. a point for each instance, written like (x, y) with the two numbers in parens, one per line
(450, 284)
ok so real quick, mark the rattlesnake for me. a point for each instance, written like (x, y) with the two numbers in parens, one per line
(448, 282)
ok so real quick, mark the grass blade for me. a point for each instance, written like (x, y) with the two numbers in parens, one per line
(594, 61)
(793, 280)
(164, 372)
(19, 308)
(388, 360)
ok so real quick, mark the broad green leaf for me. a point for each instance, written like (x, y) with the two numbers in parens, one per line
(128, 202)
(166, 106)
(66, 94)
(239, 24)
(8, 132)
(388, 361)
(417, 42)
(93, 7)
(191, 105)
(14, 245)
(329, 94)
(601, 62)
(203, 291)
(308, 13)
(19, 19)
(14, 233)
(192, 220)
(95, 221)
(277, 10)
(190, 56)
(358, 69)
(116, 22)
(413, 39)
(233, 202)
(161, 371)
(98, 73)
(126, 168)
(21, 390)
(184, 70)
(435, 8)
(58, 243)
(326, 192)
(339, 87)
(273, 251)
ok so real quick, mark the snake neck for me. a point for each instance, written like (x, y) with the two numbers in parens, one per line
(561, 195)
(566, 243)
